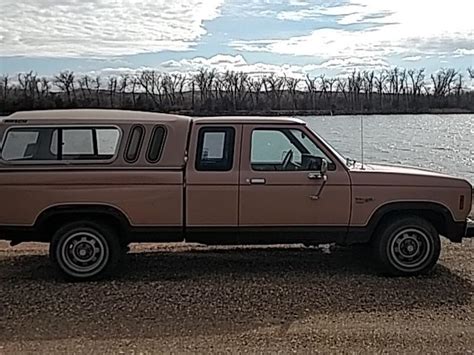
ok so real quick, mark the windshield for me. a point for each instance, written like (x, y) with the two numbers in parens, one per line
(345, 160)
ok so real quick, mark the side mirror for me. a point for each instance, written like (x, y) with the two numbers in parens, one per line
(319, 166)
(324, 166)
(320, 174)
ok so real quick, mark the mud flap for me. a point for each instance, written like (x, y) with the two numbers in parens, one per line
(470, 229)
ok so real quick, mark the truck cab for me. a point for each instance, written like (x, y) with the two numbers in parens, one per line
(89, 182)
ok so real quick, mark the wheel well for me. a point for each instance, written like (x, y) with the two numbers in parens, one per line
(435, 217)
(52, 219)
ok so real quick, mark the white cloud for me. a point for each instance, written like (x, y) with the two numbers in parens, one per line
(461, 52)
(237, 63)
(404, 27)
(101, 28)
(298, 15)
(415, 58)
(222, 63)
(347, 65)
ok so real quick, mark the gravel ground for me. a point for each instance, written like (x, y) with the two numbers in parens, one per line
(185, 298)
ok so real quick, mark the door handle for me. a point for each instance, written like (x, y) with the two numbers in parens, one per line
(315, 176)
(256, 181)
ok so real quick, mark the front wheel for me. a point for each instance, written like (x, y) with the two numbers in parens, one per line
(407, 246)
(85, 250)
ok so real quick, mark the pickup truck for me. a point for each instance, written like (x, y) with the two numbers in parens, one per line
(90, 182)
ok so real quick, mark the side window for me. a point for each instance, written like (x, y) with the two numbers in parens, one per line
(107, 141)
(77, 142)
(134, 144)
(283, 150)
(157, 142)
(41, 144)
(85, 143)
(269, 147)
(215, 149)
(22, 144)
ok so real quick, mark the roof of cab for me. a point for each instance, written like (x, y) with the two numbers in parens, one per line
(114, 115)
(249, 120)
(95, 114)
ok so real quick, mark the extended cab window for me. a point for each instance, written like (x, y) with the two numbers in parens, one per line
(284, 150)
(157, 142)
(134, 144)
(215, 150)
(41, 144)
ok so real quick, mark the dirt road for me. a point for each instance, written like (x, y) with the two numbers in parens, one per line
(196, 299)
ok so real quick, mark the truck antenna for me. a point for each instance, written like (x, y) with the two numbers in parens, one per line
(362, 141)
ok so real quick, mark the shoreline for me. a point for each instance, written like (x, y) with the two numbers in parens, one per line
(277, 113)
(306, 113)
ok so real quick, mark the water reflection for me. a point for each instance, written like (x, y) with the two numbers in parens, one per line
(442, 143)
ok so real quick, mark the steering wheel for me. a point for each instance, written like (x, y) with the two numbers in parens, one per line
(287, 159)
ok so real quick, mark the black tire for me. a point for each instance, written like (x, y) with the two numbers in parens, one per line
(85, 250)
(406, 246)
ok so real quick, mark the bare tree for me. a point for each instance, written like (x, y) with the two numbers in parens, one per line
(312, 90)
(342, 87)
(150, 81)
(292, 86)
(65, 82)
(112, 87)
(5, 90)
(255, 88)
(274, 86)
(470, 71)
(98, 85)
(84, 83)
(442, 82)
(380, 86)
(204, 80)
(397, 90)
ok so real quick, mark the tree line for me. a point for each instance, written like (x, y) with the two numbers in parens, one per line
(208, 92)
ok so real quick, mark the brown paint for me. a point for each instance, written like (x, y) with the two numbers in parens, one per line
(171, 193)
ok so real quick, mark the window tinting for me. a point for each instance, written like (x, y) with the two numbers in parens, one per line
(215, 150)
(86, 143)
(41, 144)
(156, 144)
(107, 141)
(284, 149)
(24, 144)
(78, 142)
(134, 144)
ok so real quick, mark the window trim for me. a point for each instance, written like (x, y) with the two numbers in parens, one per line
(229, 142)
(162, 146)
(57, 161)
(330, 161)
(129, 141)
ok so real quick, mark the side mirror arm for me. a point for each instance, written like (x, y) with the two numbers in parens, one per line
(317, 195)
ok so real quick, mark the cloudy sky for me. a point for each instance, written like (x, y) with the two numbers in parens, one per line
(256, 36)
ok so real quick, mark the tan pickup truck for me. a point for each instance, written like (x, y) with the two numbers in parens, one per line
(92, 181)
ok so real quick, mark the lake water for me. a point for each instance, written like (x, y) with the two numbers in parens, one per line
(443, 143)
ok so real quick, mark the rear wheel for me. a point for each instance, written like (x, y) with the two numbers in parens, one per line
(85, 250)
(407, 246)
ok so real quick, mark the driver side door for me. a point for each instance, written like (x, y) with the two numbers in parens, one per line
(278, 195)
